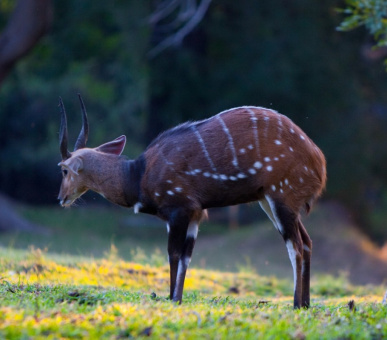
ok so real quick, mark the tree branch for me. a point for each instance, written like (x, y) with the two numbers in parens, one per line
(189, 12)
(29, 21)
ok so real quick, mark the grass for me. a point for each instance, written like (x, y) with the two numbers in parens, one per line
(56, 297)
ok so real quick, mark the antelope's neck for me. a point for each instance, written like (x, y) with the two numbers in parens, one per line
(117, 179)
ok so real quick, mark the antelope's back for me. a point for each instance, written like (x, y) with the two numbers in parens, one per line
(237, 156)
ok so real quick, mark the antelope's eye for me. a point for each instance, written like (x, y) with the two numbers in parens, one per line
(64, 171)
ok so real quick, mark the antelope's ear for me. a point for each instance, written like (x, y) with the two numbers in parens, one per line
(115, 146)
(72, 164)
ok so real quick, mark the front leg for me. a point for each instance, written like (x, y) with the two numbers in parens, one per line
(182, 230)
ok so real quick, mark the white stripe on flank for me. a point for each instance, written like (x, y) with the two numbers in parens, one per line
(230, 141)
(254, 120)
(201, 141)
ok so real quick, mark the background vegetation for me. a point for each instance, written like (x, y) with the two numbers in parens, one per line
(288, 56)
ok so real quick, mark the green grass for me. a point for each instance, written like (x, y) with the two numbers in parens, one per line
(42, 296)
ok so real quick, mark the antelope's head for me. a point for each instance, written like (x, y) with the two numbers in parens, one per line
(76, 179)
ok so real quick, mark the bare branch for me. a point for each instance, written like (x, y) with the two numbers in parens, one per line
(30, 20)
(189, 16)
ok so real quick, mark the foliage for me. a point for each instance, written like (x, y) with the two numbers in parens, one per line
(285, 56)
(372, 14)
(116, 299)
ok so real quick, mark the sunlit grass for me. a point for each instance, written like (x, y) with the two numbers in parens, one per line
(110, 298)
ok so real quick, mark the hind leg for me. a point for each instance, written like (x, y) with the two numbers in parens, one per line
(287, 223)
(306, 259)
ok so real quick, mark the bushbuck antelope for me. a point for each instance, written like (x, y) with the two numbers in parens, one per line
(240, 155)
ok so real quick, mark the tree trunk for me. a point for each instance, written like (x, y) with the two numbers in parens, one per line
(29, 21)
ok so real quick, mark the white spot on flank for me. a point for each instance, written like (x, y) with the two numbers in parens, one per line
(197, 171)
(178, 189)
(171, 193)
(137, 207)
(169, 181)
(302, 137)
(242, 150)
(267, 159)
(276, 159)
(269, 168)
(277, 142)
(206, 174)
(281, 184)
(291, 149)
(252, 171)
(281, 191)
(214, 176)
(258, 165)
(306, 168)
(241, 175)
(286, 181)
(301, 180)
(223, 177)
(157, 194)
(168, 228)
(250, 146)
(273, 188)
(282, 155)
(232, 178)
(291, 130)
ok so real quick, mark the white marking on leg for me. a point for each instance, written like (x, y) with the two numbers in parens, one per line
(137, 207)
(168, 228)
(266, 208)
(180, 270)
(230, 141)
(292, 255)
(193, 229)
(203, 145)
(277, 223)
